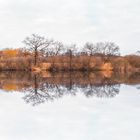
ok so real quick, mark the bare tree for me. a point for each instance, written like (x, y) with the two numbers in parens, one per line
(71, 50)
(37, 44)
(107, 49)
(90, 48)
(56, 48)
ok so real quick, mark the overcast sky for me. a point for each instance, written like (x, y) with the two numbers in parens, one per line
(72, 21)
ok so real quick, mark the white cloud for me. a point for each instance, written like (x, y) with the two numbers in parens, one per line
(71, 21)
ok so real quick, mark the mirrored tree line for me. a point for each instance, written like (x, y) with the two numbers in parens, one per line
(45, 87)
(42, 92)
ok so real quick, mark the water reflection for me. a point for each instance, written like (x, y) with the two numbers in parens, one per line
(39, 88)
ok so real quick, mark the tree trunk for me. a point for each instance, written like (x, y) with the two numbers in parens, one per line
(35, 57)
(70, 53)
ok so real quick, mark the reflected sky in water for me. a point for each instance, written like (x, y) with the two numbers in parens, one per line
(72, 117)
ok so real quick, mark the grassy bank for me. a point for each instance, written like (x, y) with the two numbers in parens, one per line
(19, 60)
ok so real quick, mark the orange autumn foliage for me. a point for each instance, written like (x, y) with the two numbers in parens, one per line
(10, 87)
(11, 52)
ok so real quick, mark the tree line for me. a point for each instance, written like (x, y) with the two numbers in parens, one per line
(41, 46)
(49, 54)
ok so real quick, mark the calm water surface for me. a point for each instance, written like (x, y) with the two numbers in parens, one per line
(69, 106)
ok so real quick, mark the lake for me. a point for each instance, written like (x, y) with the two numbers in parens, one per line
(69, 106)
